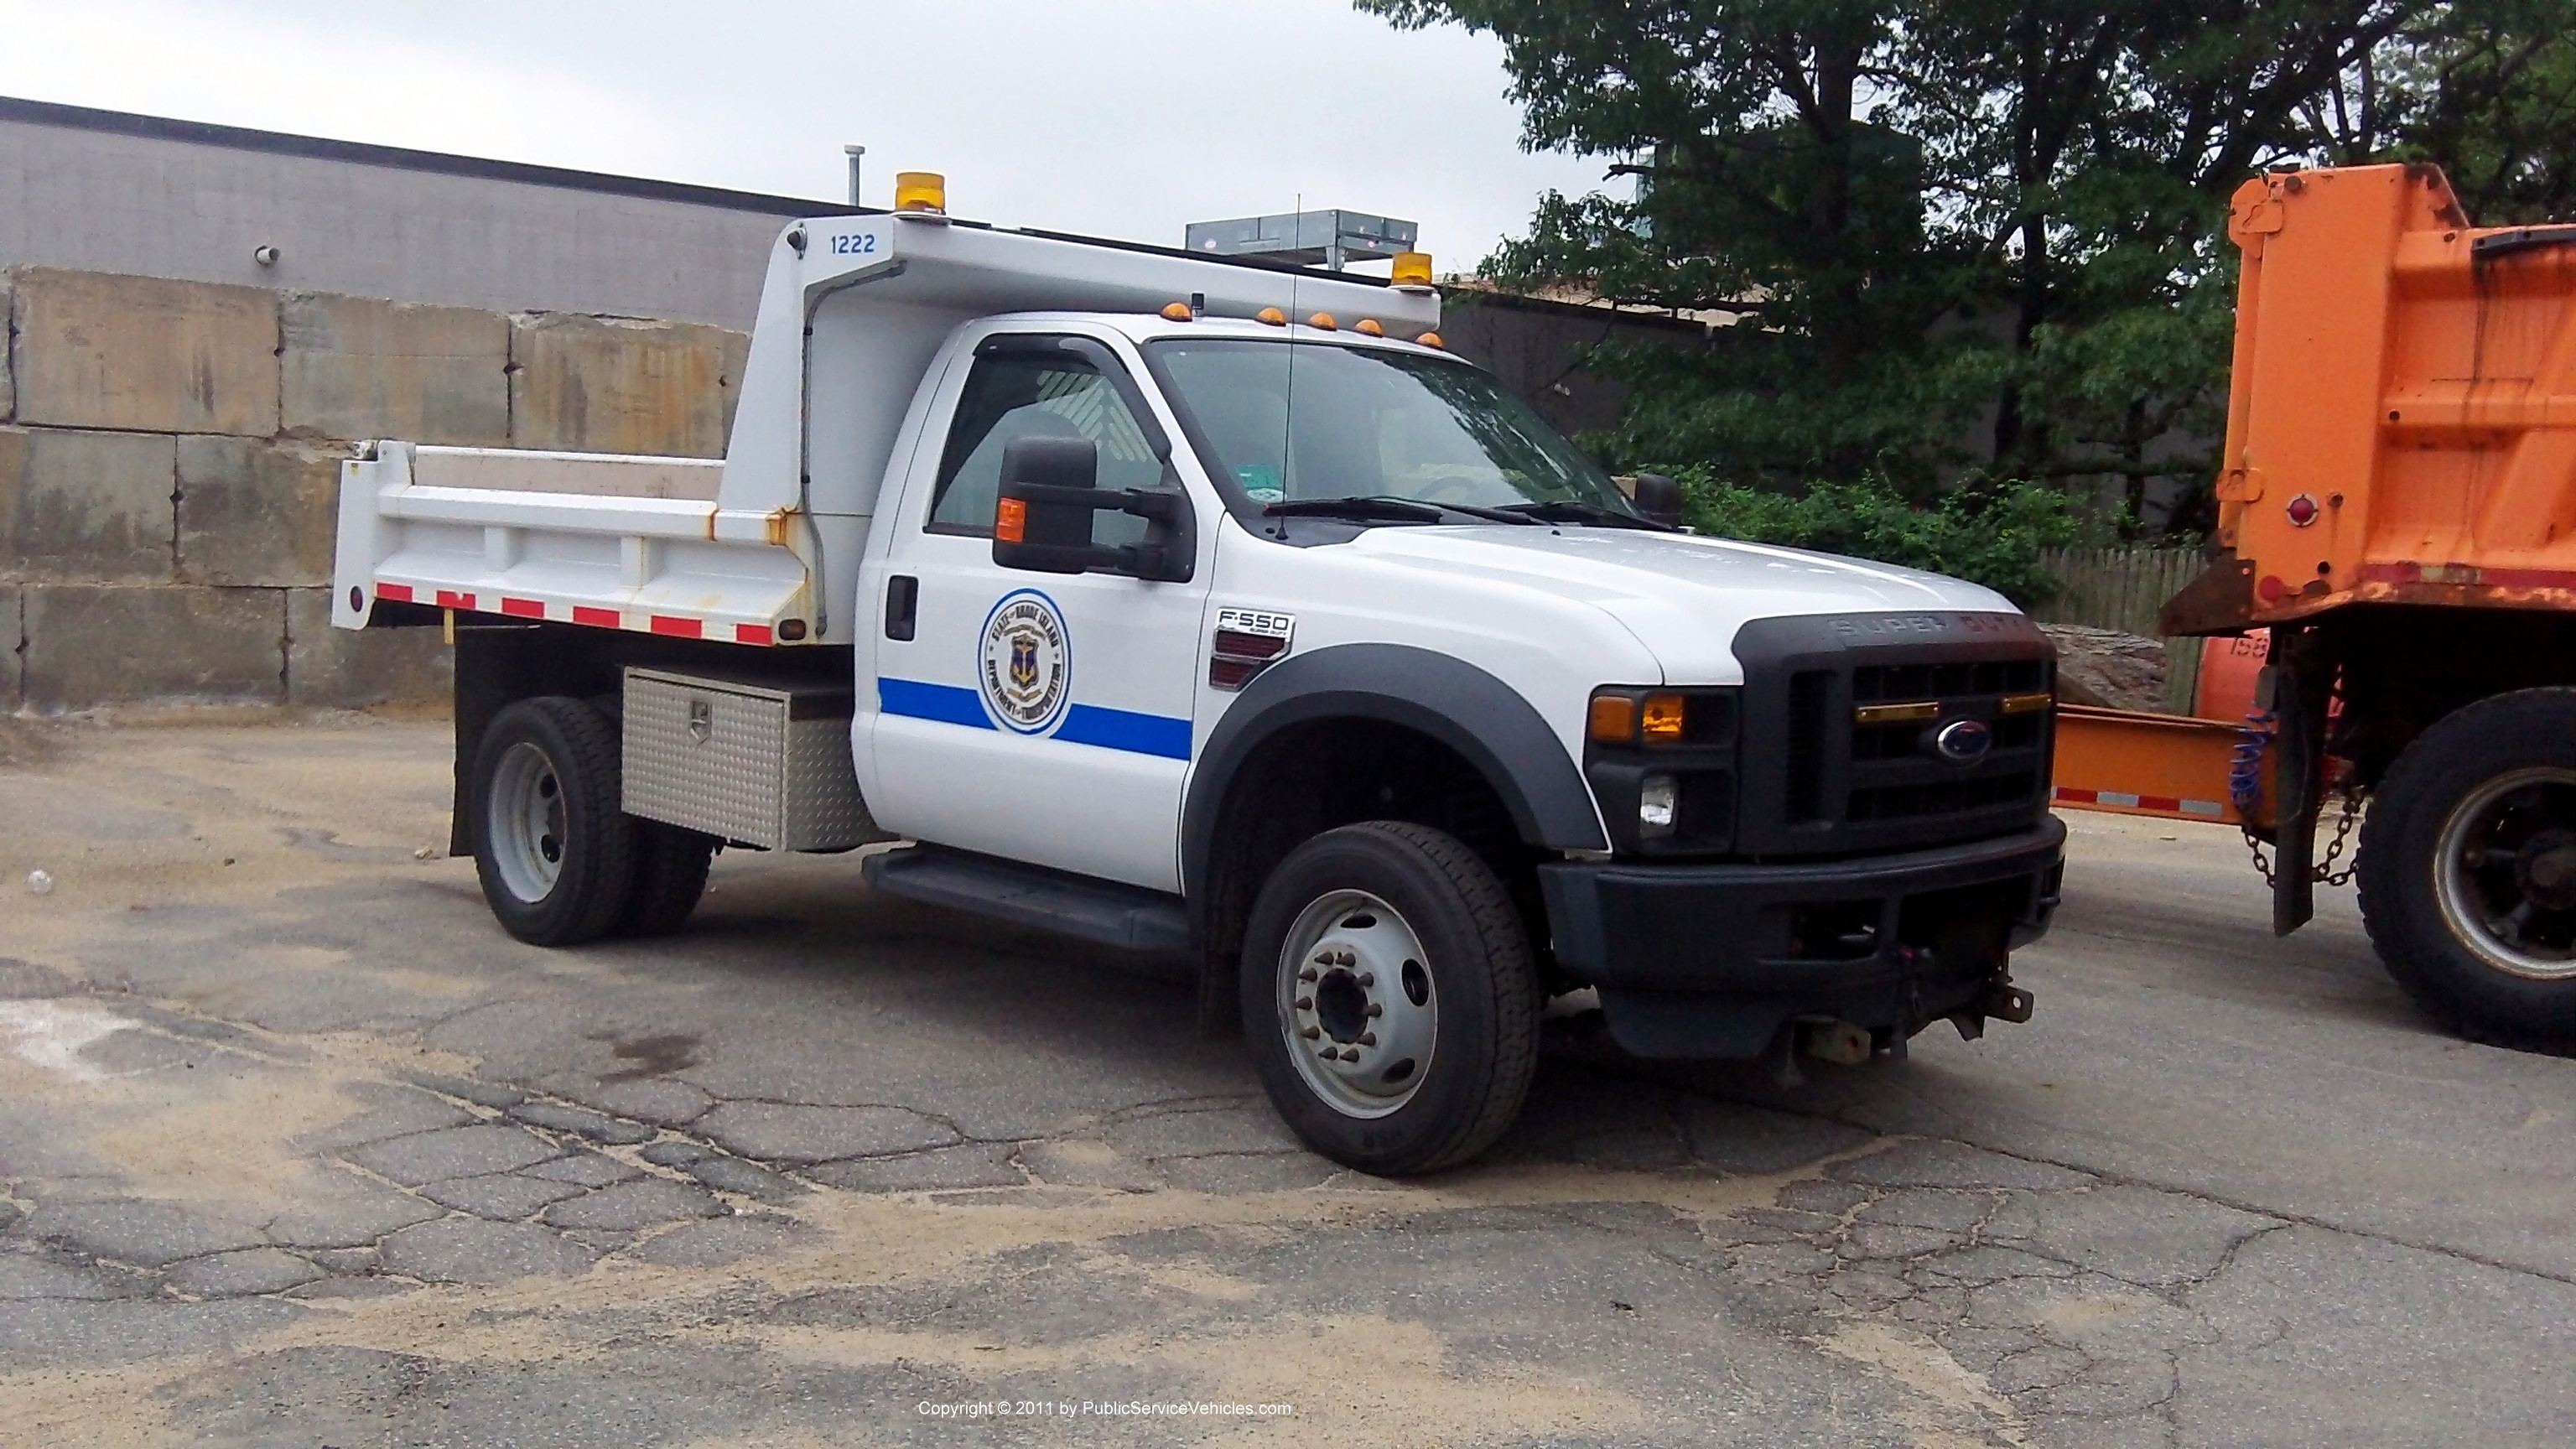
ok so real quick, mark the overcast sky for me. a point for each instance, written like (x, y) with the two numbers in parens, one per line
(1124, 118)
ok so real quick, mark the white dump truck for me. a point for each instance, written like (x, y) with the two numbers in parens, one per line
(1211, 609)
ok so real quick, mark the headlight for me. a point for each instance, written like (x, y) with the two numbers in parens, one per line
(1661, 762)
(1658, 804)
(1662, 718)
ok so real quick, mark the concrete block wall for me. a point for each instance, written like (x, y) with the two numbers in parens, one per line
(169, 469)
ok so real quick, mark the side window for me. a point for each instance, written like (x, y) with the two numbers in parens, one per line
(1037, 395)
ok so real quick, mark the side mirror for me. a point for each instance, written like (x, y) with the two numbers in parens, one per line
(1049, 489)
(1042, 519)
(1659, 499)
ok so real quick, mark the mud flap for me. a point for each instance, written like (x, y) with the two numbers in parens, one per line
(2300, 681)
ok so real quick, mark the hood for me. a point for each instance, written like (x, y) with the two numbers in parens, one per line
(1682, 596)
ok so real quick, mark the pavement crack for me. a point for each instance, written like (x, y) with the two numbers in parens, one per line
(1889, 1140)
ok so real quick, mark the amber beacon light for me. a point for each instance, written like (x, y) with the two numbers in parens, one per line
(920, 193)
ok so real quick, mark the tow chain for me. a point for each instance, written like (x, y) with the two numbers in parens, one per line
(2245, 790)
(2323, 872)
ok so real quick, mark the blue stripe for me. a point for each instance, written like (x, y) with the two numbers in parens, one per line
(945, 703)
(1084, 724)
(1118, 729)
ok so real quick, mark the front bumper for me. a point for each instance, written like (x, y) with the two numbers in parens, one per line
(1712, 961)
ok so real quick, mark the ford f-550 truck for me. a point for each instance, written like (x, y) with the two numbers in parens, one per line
(1210, 608)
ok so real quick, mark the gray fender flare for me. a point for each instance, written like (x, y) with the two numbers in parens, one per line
(1483, 719)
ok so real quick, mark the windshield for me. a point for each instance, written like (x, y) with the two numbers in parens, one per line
(1301, 420)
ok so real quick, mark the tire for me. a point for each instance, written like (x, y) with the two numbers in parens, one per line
(2468, 870)
(554, 852)
(670, 875)
(1388, 944)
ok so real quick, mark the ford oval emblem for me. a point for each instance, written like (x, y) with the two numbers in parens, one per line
(1964, 741)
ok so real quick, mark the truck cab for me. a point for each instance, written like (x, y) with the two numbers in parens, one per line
(1215, 611)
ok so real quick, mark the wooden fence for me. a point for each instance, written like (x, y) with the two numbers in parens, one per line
(2123, 588)
(2115, 588)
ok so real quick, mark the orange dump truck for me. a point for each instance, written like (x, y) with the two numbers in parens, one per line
(2397, 506)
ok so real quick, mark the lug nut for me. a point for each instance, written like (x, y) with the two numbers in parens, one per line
(1368, 978)
(1347, 958)
(1376, 1010)
(1350, 1054)
(1368, 1038)
(1306, 975)
(1305, 1003)
(1311, 1032)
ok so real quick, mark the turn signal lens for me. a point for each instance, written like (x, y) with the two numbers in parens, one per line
(1663, 719)
(1412, 269)
(1271, 315)
(1658, 801)
(1613, 720)
(1011, 521)
(921, 192)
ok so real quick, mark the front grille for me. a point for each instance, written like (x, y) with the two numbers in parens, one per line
(1808, 693)
(1819, 778)
(1880, 683)
(1940, 797)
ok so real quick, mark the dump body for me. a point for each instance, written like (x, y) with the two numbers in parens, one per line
(2402, 411)
(2397, 506)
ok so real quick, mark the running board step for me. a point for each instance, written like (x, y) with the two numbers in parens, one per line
(1032, 896)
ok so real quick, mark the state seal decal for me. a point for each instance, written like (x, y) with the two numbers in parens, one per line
(1025, 671)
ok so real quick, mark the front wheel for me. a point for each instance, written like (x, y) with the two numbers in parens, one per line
(1389, 998)
(2468, 869)
(552, 847)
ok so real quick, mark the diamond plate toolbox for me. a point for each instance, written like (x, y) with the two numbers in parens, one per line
(753, 763)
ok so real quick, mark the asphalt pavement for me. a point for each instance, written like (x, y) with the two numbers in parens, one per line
(299, 1149)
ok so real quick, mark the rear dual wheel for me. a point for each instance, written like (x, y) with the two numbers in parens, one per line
(559, 860)
(2468, 870)
(1389, 998)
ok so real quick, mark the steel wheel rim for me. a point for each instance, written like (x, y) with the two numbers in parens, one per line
(1357, 1008)
(2483, 873)
(526, 822)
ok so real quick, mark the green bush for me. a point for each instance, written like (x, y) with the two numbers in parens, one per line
(1990, 536)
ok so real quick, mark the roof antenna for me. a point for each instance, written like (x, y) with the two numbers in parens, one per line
(1288, 412)
(856, 154)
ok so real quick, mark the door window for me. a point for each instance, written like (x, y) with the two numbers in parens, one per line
(1013, 395)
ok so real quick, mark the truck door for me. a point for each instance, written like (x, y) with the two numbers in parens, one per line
(1038, 716)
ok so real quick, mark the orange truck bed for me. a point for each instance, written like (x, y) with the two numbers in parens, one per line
(2401, 422)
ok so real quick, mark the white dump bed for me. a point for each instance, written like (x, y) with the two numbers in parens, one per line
(577, 538)
(763, 548)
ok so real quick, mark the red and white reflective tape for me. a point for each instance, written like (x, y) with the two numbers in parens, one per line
(676, 626)
(2169, 804)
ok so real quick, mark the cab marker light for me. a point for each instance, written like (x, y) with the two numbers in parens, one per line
(1271, 315)
(1430, 339)
(1323, 322)
(1367, 327)
(1178, 312)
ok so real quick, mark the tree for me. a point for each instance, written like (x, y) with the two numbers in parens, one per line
(1973, 243)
